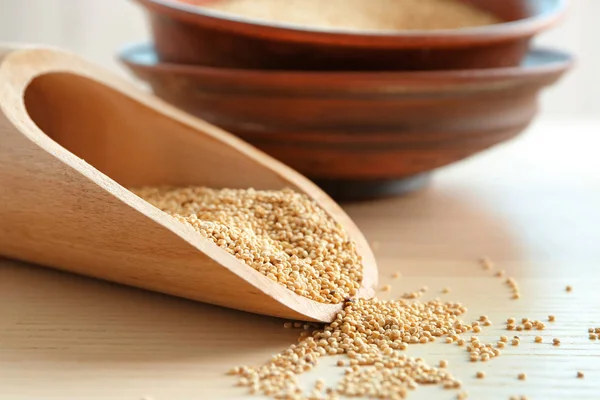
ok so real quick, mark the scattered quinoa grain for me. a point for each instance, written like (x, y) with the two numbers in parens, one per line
(443, 363)
(568, 288)
(540, 326)
(580, 375)
(528, 326)
(522, 376)
(538, 339)
(288, 325)
(593, 336)
(396, 275)
(386, 288)
(446, 290)
(412, 295)
(510, 321)
(486, 263)
(556, 341)
(551, 318)
(515, 342)
(504, 339)
(480, 375)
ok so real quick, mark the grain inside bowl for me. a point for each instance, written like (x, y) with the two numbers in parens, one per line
(282, 234)
(381, 15)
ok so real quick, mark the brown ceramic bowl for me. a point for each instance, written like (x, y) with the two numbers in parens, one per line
(187, 34)
(359, 134)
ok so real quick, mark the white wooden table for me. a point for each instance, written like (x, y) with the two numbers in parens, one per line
(532, 206)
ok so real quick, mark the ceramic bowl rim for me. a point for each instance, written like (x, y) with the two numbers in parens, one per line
(564, 61)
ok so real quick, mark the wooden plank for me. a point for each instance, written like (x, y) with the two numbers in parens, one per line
(531, 206)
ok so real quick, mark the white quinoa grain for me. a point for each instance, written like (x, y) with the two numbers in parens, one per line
(282, 234)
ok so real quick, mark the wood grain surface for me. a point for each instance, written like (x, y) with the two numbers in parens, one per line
(531, 206)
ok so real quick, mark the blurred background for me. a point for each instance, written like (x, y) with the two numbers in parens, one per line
(96, 29)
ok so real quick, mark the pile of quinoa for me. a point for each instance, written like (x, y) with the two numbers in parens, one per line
(372, 334)
(283, 234)
(358, 14)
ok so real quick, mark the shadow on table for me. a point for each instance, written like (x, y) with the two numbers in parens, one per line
(437, 225)
(47, 314)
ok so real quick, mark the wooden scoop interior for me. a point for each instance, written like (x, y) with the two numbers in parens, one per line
(74, 137)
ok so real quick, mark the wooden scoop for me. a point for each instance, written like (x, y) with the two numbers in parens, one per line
(73, 138)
